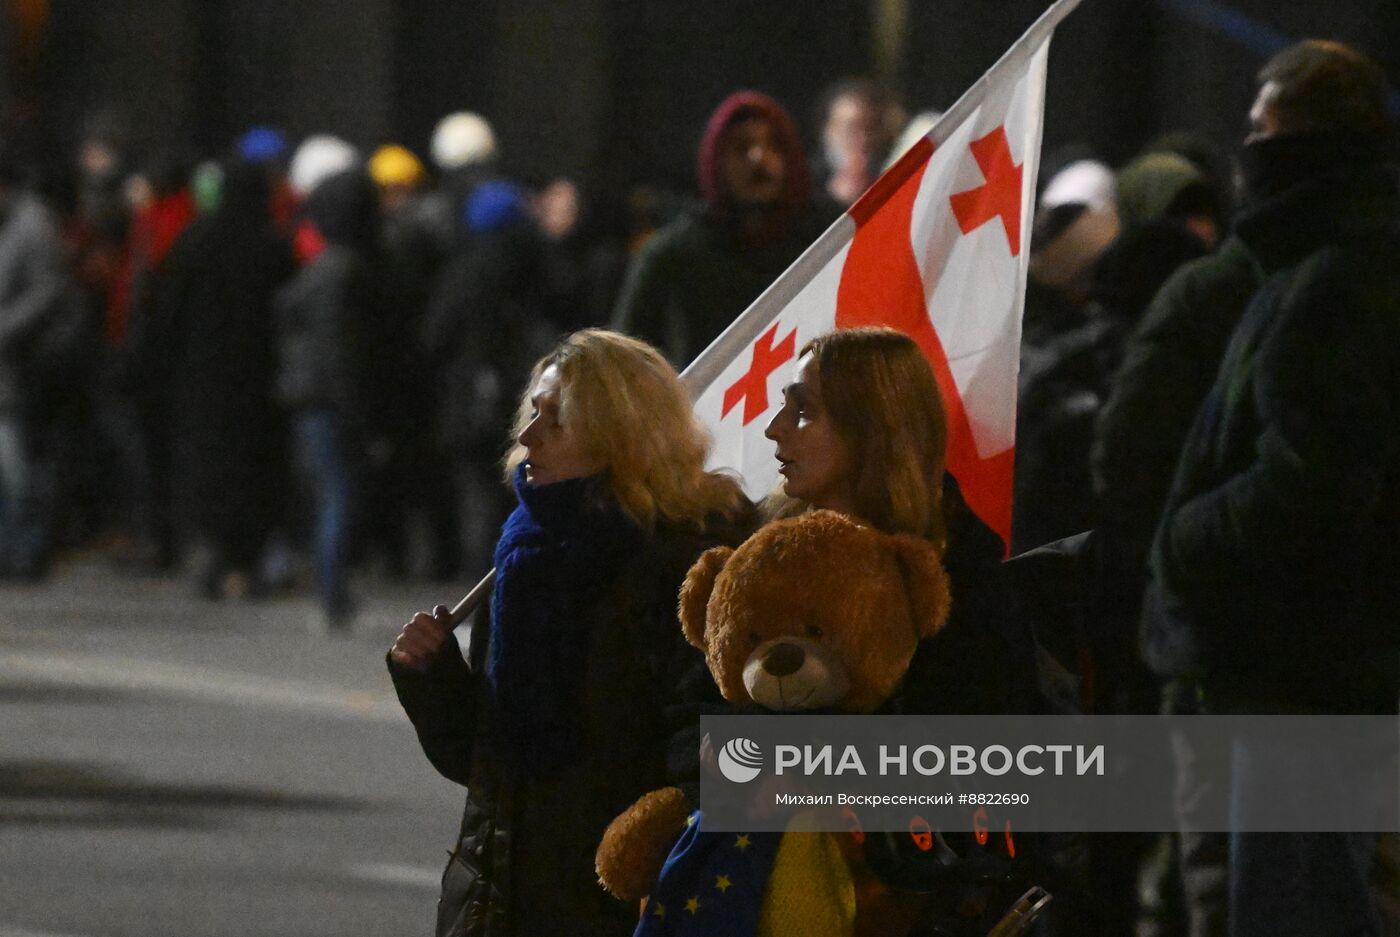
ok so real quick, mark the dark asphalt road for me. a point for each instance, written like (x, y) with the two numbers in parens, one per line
(173, 767)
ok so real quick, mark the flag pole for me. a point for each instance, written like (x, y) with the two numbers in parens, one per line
(471, 600)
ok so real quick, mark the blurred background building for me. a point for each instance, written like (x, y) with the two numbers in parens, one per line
(615, 91)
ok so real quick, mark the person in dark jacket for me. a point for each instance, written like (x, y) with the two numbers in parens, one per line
(34, 286)
(1168, 364)
(858, 121)
(485, 325)
(1164, 210)
(584, 253)
(1274, 569)
(326, 317)
(131, 408)
(695, 276)
(1165, 350)
(212, 332)
(557, 722)
(411, 480)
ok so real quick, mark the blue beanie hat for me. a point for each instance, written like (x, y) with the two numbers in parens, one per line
(262, 145)
(493, 206)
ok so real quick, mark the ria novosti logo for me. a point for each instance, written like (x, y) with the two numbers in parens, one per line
(740, 760)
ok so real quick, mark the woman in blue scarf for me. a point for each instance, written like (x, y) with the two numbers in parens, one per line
(558, 719)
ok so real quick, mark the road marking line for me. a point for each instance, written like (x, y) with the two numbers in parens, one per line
(114, 673)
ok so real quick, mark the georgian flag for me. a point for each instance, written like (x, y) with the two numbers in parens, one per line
(937, 248)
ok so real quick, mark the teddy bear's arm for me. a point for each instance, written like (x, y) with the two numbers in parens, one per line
(636, 844)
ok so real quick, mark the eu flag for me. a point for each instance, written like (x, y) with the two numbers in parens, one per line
(711, 883)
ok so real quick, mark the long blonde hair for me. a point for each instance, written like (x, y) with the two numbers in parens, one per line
(883, 399)
(633, 415)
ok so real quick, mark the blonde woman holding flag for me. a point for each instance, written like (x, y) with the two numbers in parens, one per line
(556, 722)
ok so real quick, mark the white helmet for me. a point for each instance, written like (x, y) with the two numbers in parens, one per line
(462, 139)
(317, 158)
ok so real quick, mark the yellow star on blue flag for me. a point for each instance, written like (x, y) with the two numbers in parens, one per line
(718, 878)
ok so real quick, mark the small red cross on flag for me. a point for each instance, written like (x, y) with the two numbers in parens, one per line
(999, 196)
(918, 252)
(752, 388)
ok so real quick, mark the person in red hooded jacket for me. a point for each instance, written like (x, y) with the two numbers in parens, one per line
(698, 273)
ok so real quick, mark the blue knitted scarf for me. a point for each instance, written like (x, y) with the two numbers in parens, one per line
(558, 554)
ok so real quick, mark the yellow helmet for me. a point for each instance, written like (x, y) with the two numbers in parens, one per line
(395, 165)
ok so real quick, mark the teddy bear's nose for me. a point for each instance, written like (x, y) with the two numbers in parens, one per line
(783, 659)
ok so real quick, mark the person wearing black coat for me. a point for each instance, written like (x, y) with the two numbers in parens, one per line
(33, 287)
(484, 326)
(211, 340)
(326, 319)
(558, 719)
(1274, 571)
(1067, 366)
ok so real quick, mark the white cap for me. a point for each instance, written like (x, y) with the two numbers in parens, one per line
(1085, 182)
(317, 158)
(461, 139)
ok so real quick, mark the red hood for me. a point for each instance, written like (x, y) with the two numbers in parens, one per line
(797, 179)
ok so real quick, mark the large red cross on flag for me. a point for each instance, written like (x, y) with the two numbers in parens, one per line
(937, 248)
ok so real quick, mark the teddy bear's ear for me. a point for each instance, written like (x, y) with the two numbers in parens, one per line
(924, 580)
(695, 592)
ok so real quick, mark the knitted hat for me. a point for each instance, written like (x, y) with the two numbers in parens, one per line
(318, 157)
(462, 139)
(1149, 185)
(494, 205)
(395, 165)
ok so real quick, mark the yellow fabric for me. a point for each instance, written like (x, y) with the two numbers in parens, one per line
(810, 891)
(394, 165)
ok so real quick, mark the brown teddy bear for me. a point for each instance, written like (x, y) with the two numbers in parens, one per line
(814, 612)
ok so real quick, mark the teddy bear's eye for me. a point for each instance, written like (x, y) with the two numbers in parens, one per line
(814, 632)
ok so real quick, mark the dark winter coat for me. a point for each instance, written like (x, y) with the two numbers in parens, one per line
(1275, 574)
(213, 335)
(326, 315)
(983, 660)
(1067, 368)
(694, 277)
(33, 289)
(484, 329)
(523, 864)
(1169, 363)
(321, 320)
(411, 263)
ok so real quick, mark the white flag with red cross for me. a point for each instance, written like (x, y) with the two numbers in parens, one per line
(937, 248)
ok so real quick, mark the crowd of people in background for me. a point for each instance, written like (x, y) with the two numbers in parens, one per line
(270, 368)
(273, 368)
